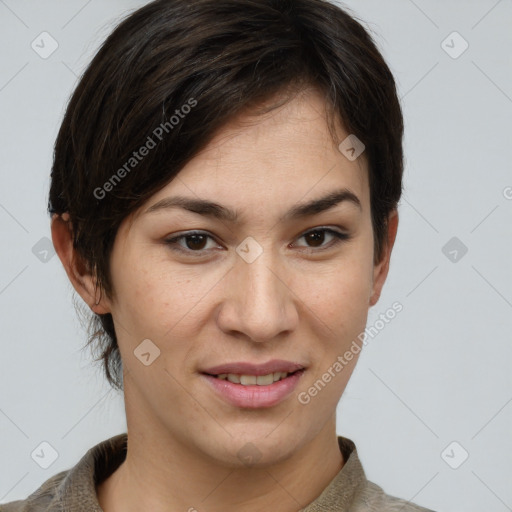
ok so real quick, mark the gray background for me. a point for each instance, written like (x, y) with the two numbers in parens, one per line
(438, 373)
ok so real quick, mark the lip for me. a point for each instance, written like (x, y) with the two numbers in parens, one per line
(254, 396)
(246, 368)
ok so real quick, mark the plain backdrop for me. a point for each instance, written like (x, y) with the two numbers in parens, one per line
(430, 402)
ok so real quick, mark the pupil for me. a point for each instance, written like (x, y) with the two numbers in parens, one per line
(316, 236)
(195, 241)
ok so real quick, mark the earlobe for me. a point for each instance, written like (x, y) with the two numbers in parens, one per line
(381, 269)
(81, 279)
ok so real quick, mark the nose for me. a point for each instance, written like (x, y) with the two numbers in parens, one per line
(258, 303)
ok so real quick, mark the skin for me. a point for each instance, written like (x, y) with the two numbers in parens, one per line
(287, 304)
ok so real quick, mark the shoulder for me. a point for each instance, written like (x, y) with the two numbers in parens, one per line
(40, 499)
(374, 499)
(351, 490)
(75, 488)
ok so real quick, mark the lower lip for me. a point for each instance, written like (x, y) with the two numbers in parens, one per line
(254, 396)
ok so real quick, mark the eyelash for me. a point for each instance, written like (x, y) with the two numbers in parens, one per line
(173, 242)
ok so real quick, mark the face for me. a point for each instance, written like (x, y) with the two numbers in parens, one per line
(210, 291)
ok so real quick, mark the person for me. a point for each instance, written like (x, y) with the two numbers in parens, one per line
(224, 198)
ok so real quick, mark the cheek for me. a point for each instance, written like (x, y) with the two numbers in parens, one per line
(138, 294)
(339, 293)
(161, 300)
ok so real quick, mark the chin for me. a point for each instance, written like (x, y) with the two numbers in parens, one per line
(255, 448)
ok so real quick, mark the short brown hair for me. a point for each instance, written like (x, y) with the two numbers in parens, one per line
(217, 57)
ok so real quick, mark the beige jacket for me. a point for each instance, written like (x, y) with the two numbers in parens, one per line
(74, 490)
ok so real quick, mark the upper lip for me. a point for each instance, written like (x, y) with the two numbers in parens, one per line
(246, 368)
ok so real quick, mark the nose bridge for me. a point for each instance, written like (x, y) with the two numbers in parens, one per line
(263, 305)
(263, 287)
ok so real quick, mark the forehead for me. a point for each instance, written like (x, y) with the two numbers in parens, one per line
(266, 163)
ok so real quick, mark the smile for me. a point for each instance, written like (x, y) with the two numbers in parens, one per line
(248, 380)
(253, 391)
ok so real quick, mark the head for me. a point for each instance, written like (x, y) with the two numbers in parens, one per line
(243, 104)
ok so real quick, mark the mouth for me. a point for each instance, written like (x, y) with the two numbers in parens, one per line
(254, 380)
(250, 391)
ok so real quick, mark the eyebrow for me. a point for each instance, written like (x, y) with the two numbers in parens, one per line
(217, 211)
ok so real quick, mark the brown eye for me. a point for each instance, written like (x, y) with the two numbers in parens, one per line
(316, 237)
(194, 243)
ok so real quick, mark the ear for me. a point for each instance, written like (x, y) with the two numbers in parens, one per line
(81, 279)
(380, 270)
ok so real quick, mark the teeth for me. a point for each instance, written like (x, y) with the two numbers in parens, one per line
(265, 380)
(248, 379)
(251, 380)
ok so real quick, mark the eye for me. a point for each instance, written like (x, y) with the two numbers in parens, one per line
(317, 237)
(195, 242)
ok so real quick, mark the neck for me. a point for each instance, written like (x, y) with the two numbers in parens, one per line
(165, 476)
